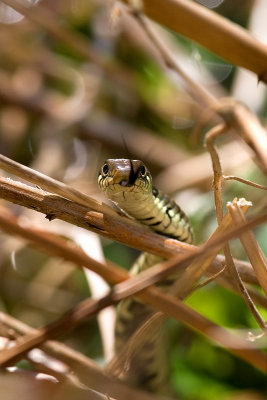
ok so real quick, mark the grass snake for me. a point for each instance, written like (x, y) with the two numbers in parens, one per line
(128, 183)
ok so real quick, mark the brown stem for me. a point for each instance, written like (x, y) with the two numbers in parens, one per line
(212, 31)
(218, 177)
(166, 303)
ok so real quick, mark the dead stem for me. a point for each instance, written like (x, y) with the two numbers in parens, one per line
(235, 114)
(257, 297)
(153, 296)
(238, 46)
(211, 278)
(247, 126)
(251, 246)
(59, 247)
(47, 364)
(119, 229)
(245, 181)
(216, 166)
(243, 290)
(198, 92)
(51, 185)
(198, 171)
(182, 288)
(238, 346)
(86, 369)
(122, 361)
(218, 176)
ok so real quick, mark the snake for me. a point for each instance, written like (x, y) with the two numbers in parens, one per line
(128, 184)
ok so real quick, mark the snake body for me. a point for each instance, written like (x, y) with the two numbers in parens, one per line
(128, 183)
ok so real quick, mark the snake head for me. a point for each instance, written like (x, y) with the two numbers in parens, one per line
(124, 177)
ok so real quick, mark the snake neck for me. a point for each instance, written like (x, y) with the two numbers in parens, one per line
(157, 211)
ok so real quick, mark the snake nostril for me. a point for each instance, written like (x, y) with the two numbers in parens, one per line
(124, 182)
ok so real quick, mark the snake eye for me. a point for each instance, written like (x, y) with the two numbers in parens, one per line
(142, 170)
(105, 169)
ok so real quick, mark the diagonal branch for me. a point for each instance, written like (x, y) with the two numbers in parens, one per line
(235, 114)
(114, 227)
(166, 303)
(52, 185)
(253, 250)
(221, 36)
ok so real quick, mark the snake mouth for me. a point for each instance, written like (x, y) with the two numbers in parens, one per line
(124, 182)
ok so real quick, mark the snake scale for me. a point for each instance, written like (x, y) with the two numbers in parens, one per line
(128, 183)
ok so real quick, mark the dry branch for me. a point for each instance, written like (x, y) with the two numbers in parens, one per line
(237, 116)
(245, 181)
(193, 272)
(115, 227)
(253, 250)
(153, 296)
(219, 35)
(86, 369)
(86, 212)
(214, 133)
(51, 184)
(118, 228)
(234, 114)
(181, 288)
(198, 171)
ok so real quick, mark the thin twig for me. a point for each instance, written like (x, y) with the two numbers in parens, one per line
(182, 287)
(243, 290)
(250, 244)
(216, 166)
(211, 278)
(198, 92)
(197, 167)
(245, 181)
(247, 126)
(218, 176)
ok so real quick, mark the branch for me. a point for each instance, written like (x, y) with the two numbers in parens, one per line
(218, 177)
(221, 36)
(52, 185)
(115, 227)
(234, 114)
(238, 117)
(166, 303)
(87, 370)
(245, 181)
(250, 244)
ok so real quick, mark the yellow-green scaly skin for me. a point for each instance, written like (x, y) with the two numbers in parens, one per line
(128, 183)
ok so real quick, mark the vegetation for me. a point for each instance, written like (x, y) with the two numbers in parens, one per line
(82, 81)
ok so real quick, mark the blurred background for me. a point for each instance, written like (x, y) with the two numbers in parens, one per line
(97, 89)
